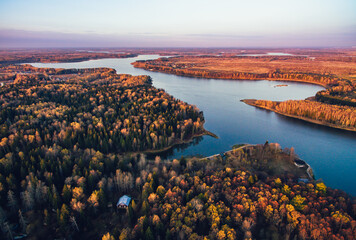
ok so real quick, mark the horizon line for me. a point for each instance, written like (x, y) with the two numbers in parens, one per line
(173, 47)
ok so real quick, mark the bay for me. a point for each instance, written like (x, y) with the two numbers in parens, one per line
(330, 152)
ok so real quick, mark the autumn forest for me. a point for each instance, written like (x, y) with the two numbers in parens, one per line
(73, 141)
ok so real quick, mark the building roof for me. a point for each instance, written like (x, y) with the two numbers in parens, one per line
(124, 200)
(304, 180)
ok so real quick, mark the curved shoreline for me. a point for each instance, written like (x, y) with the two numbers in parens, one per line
(179, 142)
(251, 102)
(192, 137)
(304, 170)
(191, 75)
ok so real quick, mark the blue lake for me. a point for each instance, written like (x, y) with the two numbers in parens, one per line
(330, 152)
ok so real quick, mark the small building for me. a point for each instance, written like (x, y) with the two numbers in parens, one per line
(303, 180)
(123, 202)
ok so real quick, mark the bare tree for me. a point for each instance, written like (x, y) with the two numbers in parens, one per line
(27, 199)
(22, 222)
(157, 161)
(2, 220)
(41, 192)
(8, 231)
(142, 162)
(74, 223)
(11, 201)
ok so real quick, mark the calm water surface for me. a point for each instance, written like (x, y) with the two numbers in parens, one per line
(330, 152)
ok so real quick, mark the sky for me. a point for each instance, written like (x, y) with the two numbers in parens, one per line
(183, 23)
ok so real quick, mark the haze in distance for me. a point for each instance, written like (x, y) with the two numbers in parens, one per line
(159, 23)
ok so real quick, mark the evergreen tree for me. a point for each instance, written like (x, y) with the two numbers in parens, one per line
(149, 234)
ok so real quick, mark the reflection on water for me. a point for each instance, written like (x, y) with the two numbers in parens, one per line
(177, 149)
(330, 152)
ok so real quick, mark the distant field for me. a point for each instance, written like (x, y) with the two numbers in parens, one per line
(268, 64)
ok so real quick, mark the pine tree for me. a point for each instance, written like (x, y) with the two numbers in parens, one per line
(149, 234)
(168, 235)
(64, 216)
(55, 201)
(66, 194)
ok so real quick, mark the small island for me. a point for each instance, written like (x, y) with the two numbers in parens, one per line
(281, 85)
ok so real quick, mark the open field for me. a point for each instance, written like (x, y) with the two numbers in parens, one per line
(266, 64)
(335, 63)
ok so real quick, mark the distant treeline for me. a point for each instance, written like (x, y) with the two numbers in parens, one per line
(31, 56)
(162, 66)
(342, 93)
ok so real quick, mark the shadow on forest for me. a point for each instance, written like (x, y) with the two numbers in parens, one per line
(170, 152)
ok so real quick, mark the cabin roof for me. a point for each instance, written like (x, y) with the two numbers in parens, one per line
(124, 200)
(304, 180)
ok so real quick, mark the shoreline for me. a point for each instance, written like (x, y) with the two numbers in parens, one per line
(306, 169)
(40, 59)
(149, 151)
(314, 121)
(179, 141)
(222, 78)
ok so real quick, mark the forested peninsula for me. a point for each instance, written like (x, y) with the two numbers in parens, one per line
(335, 116)
(51, 118)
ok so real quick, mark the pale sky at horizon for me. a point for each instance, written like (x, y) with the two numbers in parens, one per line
(184, 23)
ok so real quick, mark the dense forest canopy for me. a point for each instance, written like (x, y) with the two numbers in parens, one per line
(71, 144)
(55, 123)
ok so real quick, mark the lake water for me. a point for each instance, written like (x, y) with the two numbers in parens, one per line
(330, 152)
